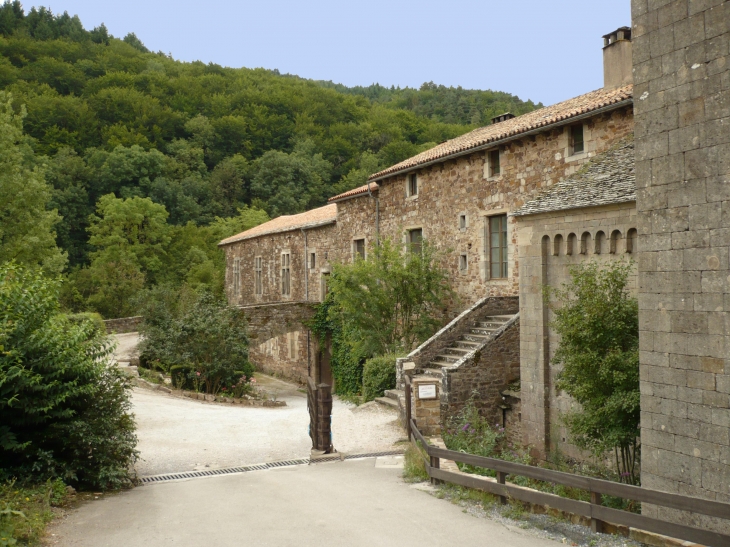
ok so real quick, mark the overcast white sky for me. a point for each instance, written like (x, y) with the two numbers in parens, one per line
(544, 50)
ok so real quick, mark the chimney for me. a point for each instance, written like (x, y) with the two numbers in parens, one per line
(503, 117)
(617, 64)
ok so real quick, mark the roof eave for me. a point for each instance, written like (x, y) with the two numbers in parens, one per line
(281, 231)
(573, 208)
(492, 144)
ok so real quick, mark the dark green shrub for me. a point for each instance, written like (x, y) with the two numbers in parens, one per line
(65, 412)
(378, 375)
(198, 338)
(94, 318)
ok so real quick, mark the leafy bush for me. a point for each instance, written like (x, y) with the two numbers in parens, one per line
(598, 323)
(378, 375)
(197, 338)
(65, 412)
(93, 318)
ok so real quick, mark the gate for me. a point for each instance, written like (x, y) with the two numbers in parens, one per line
(319, 402)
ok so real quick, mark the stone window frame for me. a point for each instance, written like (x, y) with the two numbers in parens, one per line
(407, 236)
(569, 154)
(489, 164)
(324, 276)
(312, 258)
(258, 269)
(236, 276)
(285, 273)
(463, 263)
(415, 179)
(353, 247)
(463, 215)
(486, 246)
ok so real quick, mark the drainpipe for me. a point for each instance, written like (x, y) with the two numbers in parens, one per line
(306, 291)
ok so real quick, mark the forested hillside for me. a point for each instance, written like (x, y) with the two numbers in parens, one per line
(190, 145)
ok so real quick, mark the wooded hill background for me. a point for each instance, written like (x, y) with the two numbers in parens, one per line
(107, 116)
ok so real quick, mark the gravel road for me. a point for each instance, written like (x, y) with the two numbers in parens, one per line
(178, 434)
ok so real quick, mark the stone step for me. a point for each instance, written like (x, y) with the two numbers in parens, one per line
(476, 337)
(482, 330)
(395, 394)
(433, 372)
(387, 401)
(467, 344)
(457, 351)
(503, 318)
(492, 325)
(445, 358)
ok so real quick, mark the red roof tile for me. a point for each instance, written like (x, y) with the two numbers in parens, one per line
(354, 192)
(310, 219)
(536, 119)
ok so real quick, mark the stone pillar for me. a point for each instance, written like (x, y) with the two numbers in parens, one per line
(426, 404)
(681, 54)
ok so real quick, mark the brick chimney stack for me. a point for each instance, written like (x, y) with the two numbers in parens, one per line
(617, 63)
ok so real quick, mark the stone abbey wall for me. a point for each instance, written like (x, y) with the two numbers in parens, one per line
(549, 244)
(682, 90)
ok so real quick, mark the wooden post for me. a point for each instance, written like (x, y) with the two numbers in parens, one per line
(596, 525)
(501, 478)
(436, 464)
(408, 406)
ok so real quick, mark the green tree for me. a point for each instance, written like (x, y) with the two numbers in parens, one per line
(26, 225)
(597, 320)
(392, 300)
(65, 411)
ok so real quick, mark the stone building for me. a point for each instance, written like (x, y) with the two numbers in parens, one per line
(461, 197)
(590, 216)
(682, 77)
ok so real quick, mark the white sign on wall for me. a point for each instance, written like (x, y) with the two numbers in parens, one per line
(427, 391)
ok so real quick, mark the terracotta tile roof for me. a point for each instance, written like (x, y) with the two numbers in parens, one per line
(310, 219)
(531, 121)
(606, 179)
(354, 192)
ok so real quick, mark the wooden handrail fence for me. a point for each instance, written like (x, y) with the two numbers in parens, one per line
(596, 488)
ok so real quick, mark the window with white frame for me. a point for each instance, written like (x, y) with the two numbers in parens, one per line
(258, 275)
(285, 274)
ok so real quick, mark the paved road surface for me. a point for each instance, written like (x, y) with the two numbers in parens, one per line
(352, 503)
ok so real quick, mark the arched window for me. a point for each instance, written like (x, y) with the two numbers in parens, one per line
(545, 245)
(585, 241)
(557, 245)
(631, 240)
(571, 247)
(600, 242)
(615, 238)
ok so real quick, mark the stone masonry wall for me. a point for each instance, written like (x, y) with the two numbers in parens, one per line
(549, 244)
(455, 187)
(122, 325)
(682, 101)
(485, 377)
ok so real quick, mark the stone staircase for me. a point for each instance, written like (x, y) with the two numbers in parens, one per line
(479, 332)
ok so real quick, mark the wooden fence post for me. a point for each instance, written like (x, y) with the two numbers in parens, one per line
(436, 464)
(501, 478)
(596, 524)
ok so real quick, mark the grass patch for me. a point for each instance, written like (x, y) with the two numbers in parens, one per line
(414, 468)
(25, 511)
(150, 375)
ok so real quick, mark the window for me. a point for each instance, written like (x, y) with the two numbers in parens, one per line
(463, 262)
(412, 189)
(324, 286)
(498, 247)
(462, 222)
(576, 139)
(358, 247)
(312, 261)
(415, 240)
(259, 287)
(236, 276)
(494, 168)
(285, 274)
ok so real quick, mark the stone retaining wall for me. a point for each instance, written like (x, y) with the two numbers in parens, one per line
(123, 324)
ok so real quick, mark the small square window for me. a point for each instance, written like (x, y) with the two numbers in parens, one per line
(494, 167)
(462, 222)
(463, 262)
(359, 248)
(576, 139)
(312, 261)
(412, 185)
